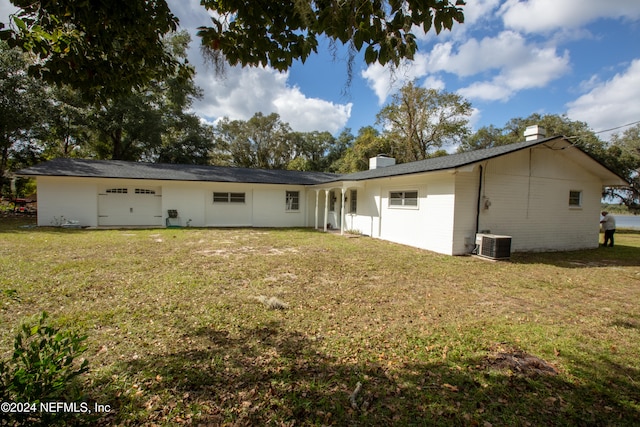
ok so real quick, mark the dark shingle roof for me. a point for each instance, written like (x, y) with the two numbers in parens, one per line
(442, 163)
(171, 172)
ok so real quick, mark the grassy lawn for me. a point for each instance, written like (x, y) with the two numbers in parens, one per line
(374, 333)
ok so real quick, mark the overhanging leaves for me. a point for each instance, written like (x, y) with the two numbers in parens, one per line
(103, 48)
(277, 33)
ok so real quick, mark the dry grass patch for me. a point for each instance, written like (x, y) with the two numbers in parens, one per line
(177, 335)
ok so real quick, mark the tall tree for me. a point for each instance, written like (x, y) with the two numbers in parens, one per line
(310, 151)
(338, 150)
(66, 132)
(22, 100)
(263, 142)
(137, 124)
(367, 144)
(186, 140)
(485, 137)
(554, 124)
(623, 156)
(127, 128)
(420, 121)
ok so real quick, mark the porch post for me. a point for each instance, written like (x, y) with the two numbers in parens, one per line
(326, 208)
(342, 215)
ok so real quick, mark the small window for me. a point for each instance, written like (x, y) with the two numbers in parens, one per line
(144, 191)
(575, 199)
(403, 198)
(236, 197)
(219, 197)
(117, 190)
(293, 200)
(353, 202)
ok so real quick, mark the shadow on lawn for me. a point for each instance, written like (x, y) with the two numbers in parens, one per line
(268, 376)
(618, 256)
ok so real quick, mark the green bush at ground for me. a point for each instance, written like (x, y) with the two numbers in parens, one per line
(42, 369)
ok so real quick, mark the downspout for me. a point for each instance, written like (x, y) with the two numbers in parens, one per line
(479, 207)
(326, 208)
(342, 215)
(316, 217)
(529, 184)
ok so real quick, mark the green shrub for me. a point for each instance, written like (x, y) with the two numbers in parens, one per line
(42, 368)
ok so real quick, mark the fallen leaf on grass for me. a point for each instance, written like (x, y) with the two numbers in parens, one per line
(450, 387)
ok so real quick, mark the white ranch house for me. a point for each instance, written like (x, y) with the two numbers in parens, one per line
(545, 193)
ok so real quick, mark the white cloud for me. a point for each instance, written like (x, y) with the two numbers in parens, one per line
(242, 92)
(433, 82)
(475, 13)
(517, 65)
(475, 56)
(310, 114)
(505, 64)
(381, 80)
(539, 16)
(538, 68)
(612, 103)
(536, 71)
(487, 91)
(245, 91)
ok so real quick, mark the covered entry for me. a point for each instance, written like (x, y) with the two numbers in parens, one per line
(339, 200)
(125, 206)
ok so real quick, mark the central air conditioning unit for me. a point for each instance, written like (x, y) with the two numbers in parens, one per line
(493, 246)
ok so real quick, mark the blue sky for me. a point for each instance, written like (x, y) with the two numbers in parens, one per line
(509, 59)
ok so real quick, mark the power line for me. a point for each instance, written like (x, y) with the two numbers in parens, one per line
(618, 127)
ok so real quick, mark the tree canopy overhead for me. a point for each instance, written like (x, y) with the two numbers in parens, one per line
(100, 47)
(276, 33)
(107, 47)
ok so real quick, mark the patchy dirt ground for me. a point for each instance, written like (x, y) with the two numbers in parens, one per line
(518, 362)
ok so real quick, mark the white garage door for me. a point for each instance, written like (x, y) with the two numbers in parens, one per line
(125, 206)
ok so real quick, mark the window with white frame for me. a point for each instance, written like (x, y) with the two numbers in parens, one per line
(403, 198)
(223, 197)
(353, 201)
(575, 199)
(292, 200)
